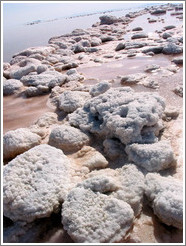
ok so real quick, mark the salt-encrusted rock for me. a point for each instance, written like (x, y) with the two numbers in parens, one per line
(166, 196)
(120, 113)
(170, 113)
(139, 35)
(68, 138)
(153, 157)
(42, 50)
(73, 75)
(152, 67)
(134, 45)
(6, 66)
(24, 67)
(152, 20)
(137, 29)
(154, 49)
(178, 61)
(126, 184)
(35, 183)
(158, 11)
(95, 41)
(10, 86)
(99, 88)
(78, 48)
(16, 59)
(112, 148)
(179, 90)
(46, 119)
(18, 141)
(106, 38)
(41, 69)
(120, 46)
(69, 101)
(132, 54)
(150, 83)
(92, 50)
(172, 48)
(91, 158)
(33, 91)
(48, 78)
(166, 35)
(169, 27)
(132, 78)
(107, 19)
(91, 217)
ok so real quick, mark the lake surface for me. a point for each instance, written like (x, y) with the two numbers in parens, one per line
(17, 37)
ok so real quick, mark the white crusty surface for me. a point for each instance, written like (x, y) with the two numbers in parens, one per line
(68, 138)
(10, 86)
(35, 183)
(18, 141)
(91, 217)
(126, 184)
(166, 196)
(100, 88)
(153, 157)
(69, 101)
(120, 113)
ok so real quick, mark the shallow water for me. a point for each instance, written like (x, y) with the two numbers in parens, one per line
(22, 112)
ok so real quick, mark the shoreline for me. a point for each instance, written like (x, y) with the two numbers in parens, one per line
(80, 68)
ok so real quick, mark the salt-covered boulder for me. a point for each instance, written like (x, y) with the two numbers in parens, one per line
(134, 45)
(24, 67)
(95, 41)
(169, 27)
(120, 113)
(18, 141)
(48, 78)
(138, 28)
(153, 157)
(139, 35)
(158, 12)
(120, 46)
(166, 197)
(90, 158)
(42, 50)
(99, 88)
(69, 101)
(108, 19)
(35, 183)
(151, 68)
(126, 184)
(179, 90)
(47, 119)
(132, 78)
(154, 49)
(107, 38)
(172, 48)
(178, 61)
(166, 35)
(10, 86)
(74, 75)
(68, 138)
(91, 217)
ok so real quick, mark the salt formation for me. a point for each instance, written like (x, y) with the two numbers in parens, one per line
(153, 157)
(121, 113)
(166, 196)
(18, 141)
(69, 101)
(35, 183)
(94, 217)
(68, 138)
